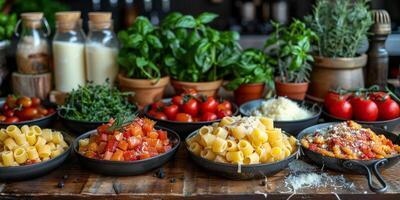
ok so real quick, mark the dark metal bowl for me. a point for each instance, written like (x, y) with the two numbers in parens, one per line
(79, 127)
(292, 127)
(388, 125)
(35, 170)
(126, 168)
(231, 171)
(43, 122)
(365, 167)
(183, 128)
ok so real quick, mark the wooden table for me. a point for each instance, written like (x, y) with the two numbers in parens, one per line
(185, 179)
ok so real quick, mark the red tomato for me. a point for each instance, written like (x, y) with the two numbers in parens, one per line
(189, 91)
(171, 111)
(379, 96)
(43, 111)
(208, 116)
(365, 110)
(11, 120)
(2, 118)
(5, 107)
(11, 101)
(9, 113)
(191, 107)
(158, 115)
(333, 96)
(24, 102)
(224, 105)
(341, 108)
(209, 104)
(36, 101)
(223, 113)
(177, 100)
(388, 109)
(183, 117)
(51, 111)
(27, 113)
(157, 105)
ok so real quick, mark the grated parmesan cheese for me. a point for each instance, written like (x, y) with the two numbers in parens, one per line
(282, 109)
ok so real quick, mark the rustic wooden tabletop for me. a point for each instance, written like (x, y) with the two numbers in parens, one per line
(184, 179)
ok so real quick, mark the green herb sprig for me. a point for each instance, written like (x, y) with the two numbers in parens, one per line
(7, 24)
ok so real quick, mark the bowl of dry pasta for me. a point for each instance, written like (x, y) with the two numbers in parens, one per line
(352, 148)
(242, 147)
(30, 151)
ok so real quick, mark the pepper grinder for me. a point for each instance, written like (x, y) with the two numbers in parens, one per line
(378, 57)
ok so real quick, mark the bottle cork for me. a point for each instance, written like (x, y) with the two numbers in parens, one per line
(32, 19)
(100, 20)
(67, 20)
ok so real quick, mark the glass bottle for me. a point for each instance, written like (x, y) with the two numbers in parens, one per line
(69, 52)
(32, 48)
(101, 49)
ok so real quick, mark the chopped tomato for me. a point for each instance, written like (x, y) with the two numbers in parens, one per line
(107, 155)
(153, 134)
(134, 142)
(162, 135)
(144, 156)
(112, 145)
(148, 125)
(123, 145)
(117, 155)
(129, 155)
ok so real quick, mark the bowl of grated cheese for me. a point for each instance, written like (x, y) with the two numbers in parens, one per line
(290, 115)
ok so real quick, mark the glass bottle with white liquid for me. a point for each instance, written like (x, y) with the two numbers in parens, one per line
(69, 52)
(101, 49)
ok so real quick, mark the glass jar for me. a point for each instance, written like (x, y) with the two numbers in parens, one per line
(101, 49)
(32, 48)
(69, 52)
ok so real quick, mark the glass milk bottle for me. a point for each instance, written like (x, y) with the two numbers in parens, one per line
(69, 52)
(101, 49)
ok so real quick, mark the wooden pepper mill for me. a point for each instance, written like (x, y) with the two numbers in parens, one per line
(378, 57)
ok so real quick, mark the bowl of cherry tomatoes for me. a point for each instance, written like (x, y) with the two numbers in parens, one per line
(126, 148)
(189, 111)
(376, 108)
(23, 110)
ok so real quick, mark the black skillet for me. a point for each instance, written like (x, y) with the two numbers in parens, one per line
(365, 167)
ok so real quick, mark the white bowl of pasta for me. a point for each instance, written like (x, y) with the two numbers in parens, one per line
(242, 148)
(30, 151)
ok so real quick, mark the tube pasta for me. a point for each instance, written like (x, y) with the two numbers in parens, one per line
(205, 130)
(219, 145)
(221, 133)
(207, 140)
(32, 153)
(207, 154)
(253, 158)
(231, 145)
(235, 156)
(195, 148)
(10, 144)
(37, 130)
(8, 158)
(12, 131)
(3, 134)
(245, 147)
(20, 155)
(47, 135)
(30, 137)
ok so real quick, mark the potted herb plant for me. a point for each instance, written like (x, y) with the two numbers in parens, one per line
(140, 62)
(251, 73)
(342, 27)
(196, 55)
(291, 46)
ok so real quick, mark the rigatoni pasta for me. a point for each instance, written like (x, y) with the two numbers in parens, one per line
(29, 145)
(242, 140)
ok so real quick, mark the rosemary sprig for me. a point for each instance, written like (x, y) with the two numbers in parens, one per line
(120, 121)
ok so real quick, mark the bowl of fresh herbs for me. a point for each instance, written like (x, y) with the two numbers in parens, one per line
(92, 105)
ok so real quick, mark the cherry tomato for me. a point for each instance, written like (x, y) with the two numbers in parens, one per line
(177, 100)
(388, 109)
(223, 113)
(208, 116)
(157, 105)
(341, 108)
(333, 96)
(11, 120)
(190, 91)
(365, 110)
(191, 107)
(183, 117)
(43, 111)
(11, 101)
(9, 113)
(36, 101)
(224, 105)
(27, 113)
(209, 104)
(171, 111)
(2, 118)
(51, 111)
(157, 114)
(5, 107)
(24, 102)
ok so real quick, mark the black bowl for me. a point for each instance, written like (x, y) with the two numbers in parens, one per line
(292, 127)
(43, 122)
(388, 125)
(25, 172)
(183, 128)
(232, 171)
(79, 127)
(126, 168)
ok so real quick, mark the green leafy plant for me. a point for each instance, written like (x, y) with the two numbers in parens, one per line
(7, 24)
(341, 25)
(253, 66)
(194, 51)
(141, 53)
(291, 46)
(97, 103)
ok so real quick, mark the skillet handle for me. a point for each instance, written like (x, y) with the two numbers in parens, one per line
(351, 164)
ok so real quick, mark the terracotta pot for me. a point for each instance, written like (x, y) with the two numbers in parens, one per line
(206, 88)
(332, 73)
(146, 91)
(248, 92)
(291, 90)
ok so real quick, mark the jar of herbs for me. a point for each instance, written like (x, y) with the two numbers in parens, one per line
(33, 56)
